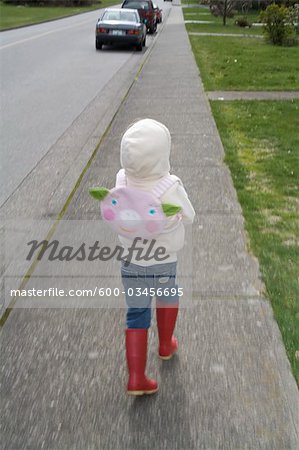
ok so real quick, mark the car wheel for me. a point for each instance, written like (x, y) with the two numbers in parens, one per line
(98, 45)
(139, 47)
(144, 41)
(153, 28)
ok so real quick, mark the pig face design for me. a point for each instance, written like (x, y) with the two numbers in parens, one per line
(133, 213)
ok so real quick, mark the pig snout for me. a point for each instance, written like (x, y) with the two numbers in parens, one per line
(129, 217)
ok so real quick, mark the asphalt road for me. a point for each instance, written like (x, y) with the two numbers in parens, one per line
(49, 74)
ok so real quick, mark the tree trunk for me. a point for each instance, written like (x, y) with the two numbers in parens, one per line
(224, 12)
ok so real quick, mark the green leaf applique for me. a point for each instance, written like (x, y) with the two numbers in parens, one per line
(99, 193)
(170, 210)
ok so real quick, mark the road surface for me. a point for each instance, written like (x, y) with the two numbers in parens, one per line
(49, 74)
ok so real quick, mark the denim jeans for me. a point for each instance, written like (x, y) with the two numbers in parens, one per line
(141, 284)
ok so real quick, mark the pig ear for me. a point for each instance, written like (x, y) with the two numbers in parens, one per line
(99, 193)
(170, 210)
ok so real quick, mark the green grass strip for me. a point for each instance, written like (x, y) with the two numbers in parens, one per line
(218, 28)
(261, 144)
(245, 64)
(12, 16)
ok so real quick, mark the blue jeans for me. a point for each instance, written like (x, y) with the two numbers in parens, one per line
(141, 284)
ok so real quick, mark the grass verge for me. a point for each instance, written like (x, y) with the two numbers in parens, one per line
(12, 16)
(245, 64)
(262, 151)
(216, 26)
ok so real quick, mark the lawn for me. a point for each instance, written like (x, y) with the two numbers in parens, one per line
(240, 64)
(261, 144)
(217, 25)
(218, 28)
(15, 16)
(245, 64)
(204, 14)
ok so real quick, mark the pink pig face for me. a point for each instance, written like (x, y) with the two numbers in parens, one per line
(133, 213)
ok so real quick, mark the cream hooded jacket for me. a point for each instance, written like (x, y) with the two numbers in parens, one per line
(144, 157)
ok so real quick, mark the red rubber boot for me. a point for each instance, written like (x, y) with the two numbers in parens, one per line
(166, 319)
(136, 350)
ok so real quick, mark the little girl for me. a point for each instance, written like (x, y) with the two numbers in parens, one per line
(144, 156)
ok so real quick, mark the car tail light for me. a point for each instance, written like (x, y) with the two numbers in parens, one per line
(101, 30)
(132, 32)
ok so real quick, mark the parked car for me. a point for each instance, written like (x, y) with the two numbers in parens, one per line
(120, 26)
(158, 13)
(146, 12)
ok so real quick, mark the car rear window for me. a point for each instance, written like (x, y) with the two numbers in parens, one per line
(127, 16)
(136, 5)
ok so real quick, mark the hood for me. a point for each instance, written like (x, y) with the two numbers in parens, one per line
(145, 150)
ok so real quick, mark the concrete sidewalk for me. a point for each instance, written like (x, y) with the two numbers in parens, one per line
(230, 386)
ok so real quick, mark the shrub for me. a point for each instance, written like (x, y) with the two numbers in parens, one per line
(286, 3)
(262, 4)
(243, 22)
(276, 26)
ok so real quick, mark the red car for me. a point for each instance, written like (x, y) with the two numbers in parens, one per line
(146, 12)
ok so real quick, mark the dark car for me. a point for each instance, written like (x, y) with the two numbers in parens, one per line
(120, 26)
(146, 12)
(158, 13)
